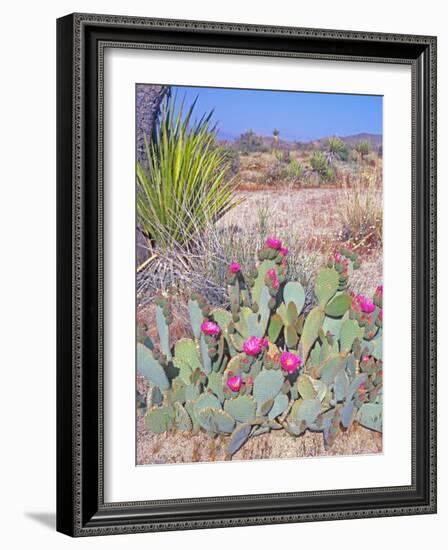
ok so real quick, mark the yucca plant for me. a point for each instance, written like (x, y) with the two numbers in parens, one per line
(186, 184)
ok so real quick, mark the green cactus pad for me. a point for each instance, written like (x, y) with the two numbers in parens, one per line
(307, 411)
(150, 368)
(341, 385)
(143, 338)
(349, 331)
(215, 420)
(238, 438)
(348, 414)
(264, 311)
(164, 335)
(280, 405)
(311, 330)
(291, 337)
(222, 317)
(182, 418)
(354, 385)
(370, 415)
(204, 401)
(160, 419)
(186, 358)
(338, 305)
(215, 384)
(275, 327)
(306, 387)
(295, 429)
(315, 354)
(267, 385)
(331, 367)
(263, 268)
(242, 408)
(326, 285)
(196, 317)
(206, 362)
(294, 292)
(154, 397)
(192, 391)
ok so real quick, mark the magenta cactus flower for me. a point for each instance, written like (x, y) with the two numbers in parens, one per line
(272, 276)
(253, 346)
(235, 383)
(210, 328)
(366, 305)
(381, 315)
(235, 267)
(290, 362)
(272, 242)
(337, 258)
(379, 290)
(284, 251)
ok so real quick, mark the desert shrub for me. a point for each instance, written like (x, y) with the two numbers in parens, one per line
(250, 142)
(320, 165)
(363, 147)
(319, 162)
(186, 184)
(338, 148)
(361, 212)
(264, 364)
(293, 171)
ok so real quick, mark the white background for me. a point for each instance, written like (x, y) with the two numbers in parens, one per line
(27, 302)
(125, 482)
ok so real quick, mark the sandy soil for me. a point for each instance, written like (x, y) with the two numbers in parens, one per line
(178, 447)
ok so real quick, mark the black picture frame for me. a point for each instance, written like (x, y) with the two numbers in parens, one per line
(81, 510)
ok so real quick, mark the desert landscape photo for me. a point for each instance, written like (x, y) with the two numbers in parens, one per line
(258, 274)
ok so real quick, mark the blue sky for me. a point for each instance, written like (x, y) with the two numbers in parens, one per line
(300, 116)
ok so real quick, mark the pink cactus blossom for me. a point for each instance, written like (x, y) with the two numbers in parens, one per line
(366, 305)
(284, 251)
(361, 388)
(235, 383)
(235, 267)
(365, 358)
(272, 276)
(290, 362)
(210, 329)
(254, 345)
(381, 315)
(272, 242)
(379, 290)
(337, 258)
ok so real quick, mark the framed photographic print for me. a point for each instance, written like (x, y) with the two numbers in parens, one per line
(246, 274)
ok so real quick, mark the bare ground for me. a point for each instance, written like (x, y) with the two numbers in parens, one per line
(186, 447)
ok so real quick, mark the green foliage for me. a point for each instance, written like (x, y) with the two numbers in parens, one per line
(293, 171)
(363, 147)
(217, 383)
(338, 148)
(319, 163)
(185, 185)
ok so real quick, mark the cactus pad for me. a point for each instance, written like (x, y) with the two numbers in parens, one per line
(151, 368)
(242, 408)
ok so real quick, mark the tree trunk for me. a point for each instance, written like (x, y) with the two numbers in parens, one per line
(148, 100)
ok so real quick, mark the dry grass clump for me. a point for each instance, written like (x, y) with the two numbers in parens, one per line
(361, 211)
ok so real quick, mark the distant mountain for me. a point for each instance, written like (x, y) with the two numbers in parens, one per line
(375, 139)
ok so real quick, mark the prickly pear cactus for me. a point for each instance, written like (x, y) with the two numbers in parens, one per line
(264, 364)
